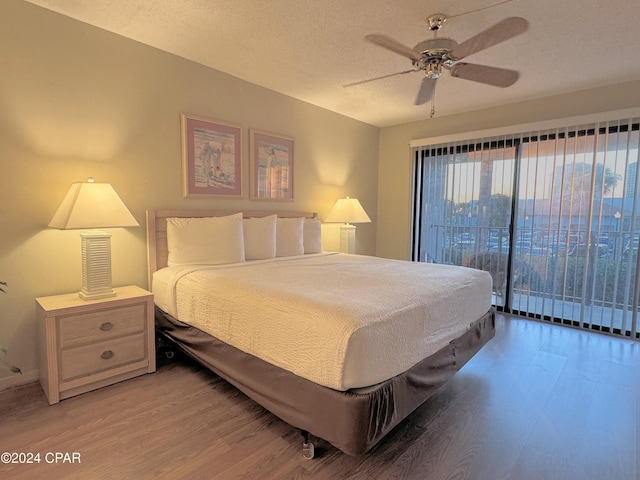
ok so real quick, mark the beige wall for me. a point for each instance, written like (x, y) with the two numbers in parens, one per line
(394, 180)
(76, 101)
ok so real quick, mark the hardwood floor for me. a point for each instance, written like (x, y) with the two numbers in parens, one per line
(538, 402)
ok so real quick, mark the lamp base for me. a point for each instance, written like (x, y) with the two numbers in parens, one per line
(95, 296)
(348, 238)
(96, 265)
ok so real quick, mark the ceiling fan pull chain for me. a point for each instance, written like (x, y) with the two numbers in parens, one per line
(433, 106)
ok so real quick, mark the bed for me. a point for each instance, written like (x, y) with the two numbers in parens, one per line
(343, 347)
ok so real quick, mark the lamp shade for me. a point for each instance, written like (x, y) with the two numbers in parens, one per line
(92, 205)
(347, 210)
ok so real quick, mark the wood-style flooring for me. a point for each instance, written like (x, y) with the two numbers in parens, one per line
(538, 402)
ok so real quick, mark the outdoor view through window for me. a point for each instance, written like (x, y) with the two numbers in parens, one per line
(554, 216)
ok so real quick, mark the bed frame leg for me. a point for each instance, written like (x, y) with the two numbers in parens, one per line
(164, 348)
(307, 446)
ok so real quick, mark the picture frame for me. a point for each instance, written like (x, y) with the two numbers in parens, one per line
(211, 158)
(272, 166)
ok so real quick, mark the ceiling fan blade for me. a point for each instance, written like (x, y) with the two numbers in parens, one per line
(498, 77)
(378, 78)
(501, 31)
(427, 87)
(394, 46)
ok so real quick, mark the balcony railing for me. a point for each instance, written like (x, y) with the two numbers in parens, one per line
(560, 273)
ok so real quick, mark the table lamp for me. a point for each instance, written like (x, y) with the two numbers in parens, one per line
(347, 211)
(90, 205)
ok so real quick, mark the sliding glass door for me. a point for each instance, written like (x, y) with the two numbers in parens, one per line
(466, 201)
(553, 216)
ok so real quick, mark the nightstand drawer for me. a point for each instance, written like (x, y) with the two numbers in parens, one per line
(101, 325)
(98, 357)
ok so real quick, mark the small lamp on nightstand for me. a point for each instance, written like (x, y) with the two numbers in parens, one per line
(90, 205)
(347, 211)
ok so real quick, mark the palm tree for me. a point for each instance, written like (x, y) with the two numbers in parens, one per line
(577, 189)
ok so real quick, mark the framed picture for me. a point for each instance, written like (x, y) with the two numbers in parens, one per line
(211, 158)
(271, 165)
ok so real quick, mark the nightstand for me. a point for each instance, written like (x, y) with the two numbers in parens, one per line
(86, 345)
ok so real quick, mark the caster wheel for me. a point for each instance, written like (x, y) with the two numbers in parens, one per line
(307, 450)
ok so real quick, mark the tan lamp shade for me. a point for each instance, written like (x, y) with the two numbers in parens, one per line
(90, 205)
(347, 210)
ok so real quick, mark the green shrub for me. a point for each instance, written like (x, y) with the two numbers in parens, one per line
(603, 277)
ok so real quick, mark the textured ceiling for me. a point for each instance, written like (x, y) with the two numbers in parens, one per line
(309, 49)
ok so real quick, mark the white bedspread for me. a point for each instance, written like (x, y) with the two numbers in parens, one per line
(343, 321)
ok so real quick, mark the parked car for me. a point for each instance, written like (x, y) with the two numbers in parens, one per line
(522, 246)
(494, 242)
(599, 249)
(466, 236)
(541, 251)
(464, 245)
(547, 245)
(604, 239)
(574, 239)
(560, 248)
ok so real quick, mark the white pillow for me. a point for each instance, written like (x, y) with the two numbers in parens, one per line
(289, 237)
(259, 237)
(206, 240)
(312, 232)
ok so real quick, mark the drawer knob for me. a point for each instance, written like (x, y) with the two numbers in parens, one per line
(106, 355)
(106, 326)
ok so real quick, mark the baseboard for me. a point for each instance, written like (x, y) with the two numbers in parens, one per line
(17, 379)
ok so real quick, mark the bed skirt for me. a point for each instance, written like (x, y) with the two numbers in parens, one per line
(353, 421)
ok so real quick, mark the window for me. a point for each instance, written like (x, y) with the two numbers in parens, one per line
(554, 216)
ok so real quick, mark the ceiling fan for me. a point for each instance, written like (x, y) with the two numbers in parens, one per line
(435, 54)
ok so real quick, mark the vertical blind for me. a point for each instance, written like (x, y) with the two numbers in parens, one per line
(553, 215)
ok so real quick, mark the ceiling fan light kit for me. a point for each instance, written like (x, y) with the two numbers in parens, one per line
(435, 54)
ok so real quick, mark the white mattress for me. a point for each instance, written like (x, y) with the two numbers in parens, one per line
(342, 321)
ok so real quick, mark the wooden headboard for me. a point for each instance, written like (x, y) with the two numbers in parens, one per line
(157, 250)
